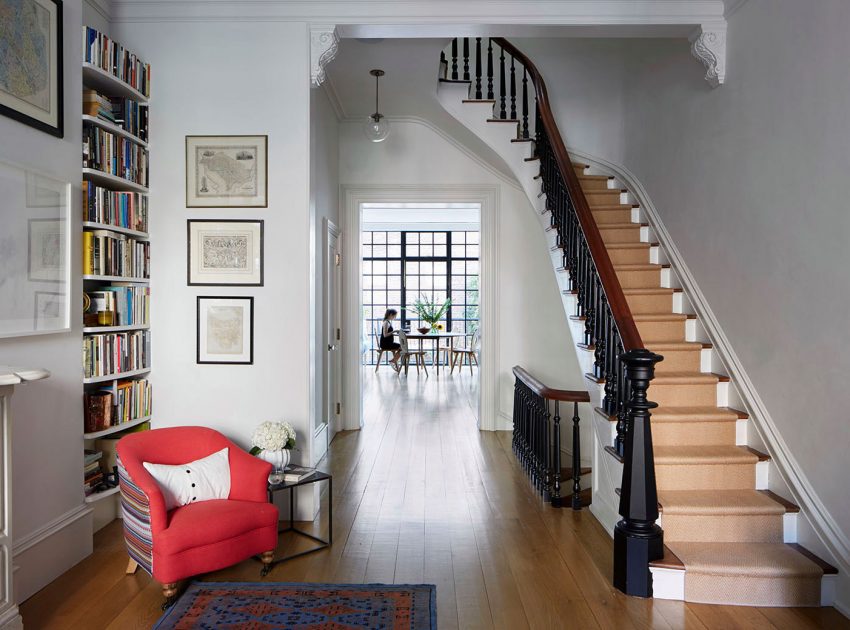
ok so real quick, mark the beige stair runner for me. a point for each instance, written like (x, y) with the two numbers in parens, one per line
(727, 534)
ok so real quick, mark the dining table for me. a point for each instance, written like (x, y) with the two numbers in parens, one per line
(435, 337)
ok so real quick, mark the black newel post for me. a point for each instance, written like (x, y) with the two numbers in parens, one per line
(637, 539)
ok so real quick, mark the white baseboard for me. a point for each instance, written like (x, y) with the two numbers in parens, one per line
(11, 620)
(52, 549)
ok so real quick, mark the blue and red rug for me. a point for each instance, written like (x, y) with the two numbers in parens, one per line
(272, 606)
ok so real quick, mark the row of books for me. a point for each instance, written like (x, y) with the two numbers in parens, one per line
(118, 305)
(115, 353)
(108, 253)
(115, 155)
(100, 50)
(92, 473)
(121, 209)
(126, 113)
(130, 400)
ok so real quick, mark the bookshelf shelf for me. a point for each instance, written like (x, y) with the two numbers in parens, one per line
(115, 376)
(113, 182)
(97, 496)
(117, 279)
(143, 236)
(118, 427)
(108, 329)
(110, 85)
(113, 128)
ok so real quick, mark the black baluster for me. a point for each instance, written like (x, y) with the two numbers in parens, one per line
(478, 68)
(503, 113)
(513, 90)
(637, 539)
(547, 452)
(576, 459)
(524, 132)
(444, 65)
(466, 59)
(489, 69)
(556, 456)
(454, 59)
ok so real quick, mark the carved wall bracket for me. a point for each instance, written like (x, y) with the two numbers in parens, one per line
(708, 44)
(324, 43)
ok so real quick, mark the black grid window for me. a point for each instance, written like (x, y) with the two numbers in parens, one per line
(401, 266)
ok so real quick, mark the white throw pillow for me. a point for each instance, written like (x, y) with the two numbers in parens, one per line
(202, 480)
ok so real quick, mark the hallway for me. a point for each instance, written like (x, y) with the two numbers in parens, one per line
(422, 496)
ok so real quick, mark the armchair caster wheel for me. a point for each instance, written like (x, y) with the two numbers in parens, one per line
(266, 570)
(168, 603)
(169, 591)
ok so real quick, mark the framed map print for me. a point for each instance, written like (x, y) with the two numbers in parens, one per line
(46, 251)
(31, 63)
(225, 330)
(225, 252)
(226, 171)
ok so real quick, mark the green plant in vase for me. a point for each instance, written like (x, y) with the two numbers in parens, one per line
(431, 311)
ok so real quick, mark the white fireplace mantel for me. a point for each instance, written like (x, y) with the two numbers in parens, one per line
(10, 376)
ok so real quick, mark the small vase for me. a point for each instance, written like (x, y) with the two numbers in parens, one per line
(278, 459)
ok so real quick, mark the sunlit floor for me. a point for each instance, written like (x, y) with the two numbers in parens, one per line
(422, 496)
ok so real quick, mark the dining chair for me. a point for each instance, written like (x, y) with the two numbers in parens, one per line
(406, 353)
(377, 335)
(469, 353)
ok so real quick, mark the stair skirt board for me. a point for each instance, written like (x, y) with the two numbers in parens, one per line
(729, 538)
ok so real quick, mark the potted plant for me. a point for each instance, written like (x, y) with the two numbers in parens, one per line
(430, 311)
(272, 442)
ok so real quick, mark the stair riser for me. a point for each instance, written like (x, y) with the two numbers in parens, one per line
(661, 331)
(639, 304)
(603, 198)
(690, 433)
(640, 279)
(677, 360)
(579, 169)
(684, 394)
(731, 528)
(750, 590)
(589, 185)
(620, 235)
(632, 256)
(613, 216)
(705, 476)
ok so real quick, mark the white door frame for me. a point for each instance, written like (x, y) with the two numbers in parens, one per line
(487, 196)
(332, 237)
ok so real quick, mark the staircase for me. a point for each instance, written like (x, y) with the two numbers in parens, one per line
(727, 539)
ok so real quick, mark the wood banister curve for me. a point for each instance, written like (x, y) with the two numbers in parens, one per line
(549, 393)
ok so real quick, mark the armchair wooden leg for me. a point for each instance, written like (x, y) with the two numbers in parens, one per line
(169, 592)
(132, 565)
(267, 557)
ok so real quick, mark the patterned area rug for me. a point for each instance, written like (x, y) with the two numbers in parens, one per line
(273, 605)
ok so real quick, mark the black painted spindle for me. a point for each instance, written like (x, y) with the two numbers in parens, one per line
(478, 68)
(576, 459)
(489, 69)
(454, 59)
(524, 128)
(466, 59)
(503, 112)
(513, 90)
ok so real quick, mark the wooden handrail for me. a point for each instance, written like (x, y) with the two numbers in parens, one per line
(620, 310)
(549, 393)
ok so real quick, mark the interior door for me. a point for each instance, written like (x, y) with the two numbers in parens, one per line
(333, 331)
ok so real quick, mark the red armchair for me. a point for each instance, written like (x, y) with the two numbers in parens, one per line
(199, 537)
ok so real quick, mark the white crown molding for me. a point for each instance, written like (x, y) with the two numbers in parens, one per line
(324, 44)
(101, 7)
(732, 6)
(708, 44)
(827, 529)
(333, 97)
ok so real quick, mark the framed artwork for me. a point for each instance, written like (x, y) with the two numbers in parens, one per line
(46, 251)
(31, 63)
(225, 330)
(224, 252)
(226, 171)
(49, 311)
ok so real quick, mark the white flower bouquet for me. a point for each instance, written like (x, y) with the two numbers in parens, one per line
(272, 436)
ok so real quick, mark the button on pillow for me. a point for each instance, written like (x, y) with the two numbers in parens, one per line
(202, 480)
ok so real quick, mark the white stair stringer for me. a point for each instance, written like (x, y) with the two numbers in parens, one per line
(668, 583)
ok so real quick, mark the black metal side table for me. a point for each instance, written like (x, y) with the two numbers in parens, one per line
(323, 544)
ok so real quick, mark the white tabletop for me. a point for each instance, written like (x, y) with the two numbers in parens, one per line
(13, 375)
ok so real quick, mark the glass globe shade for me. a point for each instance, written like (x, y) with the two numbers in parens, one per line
(376, 128)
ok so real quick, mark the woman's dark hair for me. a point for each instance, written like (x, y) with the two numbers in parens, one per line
(390, 312)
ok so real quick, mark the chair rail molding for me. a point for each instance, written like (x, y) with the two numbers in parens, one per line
(324, 44)
(708, 45)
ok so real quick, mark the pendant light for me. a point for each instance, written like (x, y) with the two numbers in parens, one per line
(376, 127)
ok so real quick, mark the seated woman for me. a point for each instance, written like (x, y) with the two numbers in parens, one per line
(387, 340)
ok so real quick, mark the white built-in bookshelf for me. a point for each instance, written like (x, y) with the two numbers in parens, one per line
(116, 255)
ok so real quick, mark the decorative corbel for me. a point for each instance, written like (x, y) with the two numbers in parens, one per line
(324, 43)
(708, 44)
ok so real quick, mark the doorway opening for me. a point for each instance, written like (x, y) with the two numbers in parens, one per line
(422, 261)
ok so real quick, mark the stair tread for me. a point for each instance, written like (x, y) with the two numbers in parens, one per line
(619, 206)
(479, 100)
(651, 291)
(670, 378)
(640, 245)
(580, 165)
(772, 560)
(676, 345)
(620, 226)
(661, 317)
(697, 414)
(639, 267)
(706, 454)
(597, 178)
(712, 502)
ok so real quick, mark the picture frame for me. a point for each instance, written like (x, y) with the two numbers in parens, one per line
(224, 252)
(225, 330)
(48, 310)
(32, 93)
(226, 171)
(46, 250)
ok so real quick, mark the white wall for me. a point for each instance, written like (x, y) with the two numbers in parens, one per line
(47, 416)
(324, 204)
(532, 324)
(750, 180)
(215, 78)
